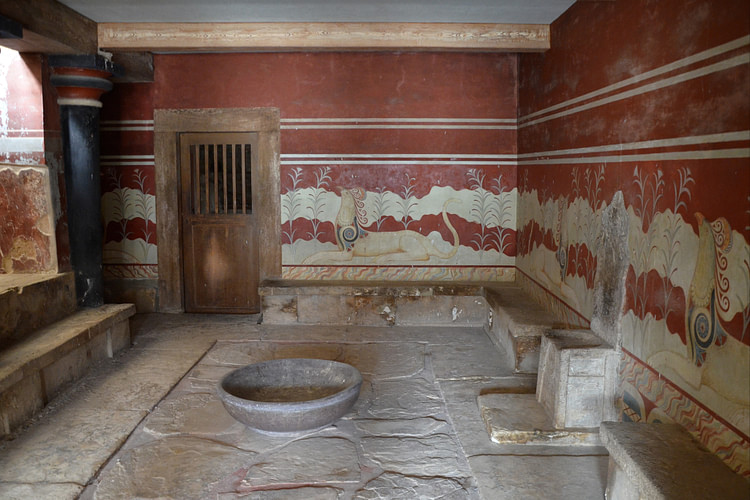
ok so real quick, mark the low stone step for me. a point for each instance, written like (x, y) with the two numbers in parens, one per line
(517, 324)
(577, 378)
(513, 418)
(32, 301)
(663, 461)
(34, 369)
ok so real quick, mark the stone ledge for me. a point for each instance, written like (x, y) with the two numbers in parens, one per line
(48, 344)
(663, 461)
(368, 288)
(517, 325)
(32, 301)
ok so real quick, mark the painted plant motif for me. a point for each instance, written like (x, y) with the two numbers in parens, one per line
(383, 246)
(291, 203)
(492, 210)
(317, 202)
(129, 211)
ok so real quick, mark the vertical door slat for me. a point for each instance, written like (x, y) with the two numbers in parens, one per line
(244, 190)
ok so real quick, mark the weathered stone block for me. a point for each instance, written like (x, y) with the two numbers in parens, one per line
(663, 461)
(577, 378)
(279, 309)
(442, 310)
(19, 402)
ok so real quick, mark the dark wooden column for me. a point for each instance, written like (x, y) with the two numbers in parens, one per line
(80, 81)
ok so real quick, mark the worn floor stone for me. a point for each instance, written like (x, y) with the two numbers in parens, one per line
(510, 477)
(67, 447)
(173, 467)
(415, 432)
(434, 455)
(21, 491)
(308, 461)
(390, 485)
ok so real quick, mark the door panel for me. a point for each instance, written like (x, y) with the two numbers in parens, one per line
(219, 244)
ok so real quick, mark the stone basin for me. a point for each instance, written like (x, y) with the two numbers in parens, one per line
(290, 395)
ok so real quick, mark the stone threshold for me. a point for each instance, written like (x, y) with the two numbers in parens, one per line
(512, 418)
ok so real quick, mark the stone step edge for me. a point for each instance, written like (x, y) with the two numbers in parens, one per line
(35, 353)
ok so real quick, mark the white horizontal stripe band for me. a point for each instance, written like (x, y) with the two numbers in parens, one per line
(428, 156)
(743, 135)
(399, 120)
(680, 63)
(22, 144)
(677, 155)
(391, 162)
(404, 126)
(684, 77)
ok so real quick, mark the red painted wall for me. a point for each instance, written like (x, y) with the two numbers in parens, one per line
(651, 99)
(29, 209)
(384, 122)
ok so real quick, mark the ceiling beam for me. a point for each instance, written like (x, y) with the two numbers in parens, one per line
(49, 27)
(174, 37)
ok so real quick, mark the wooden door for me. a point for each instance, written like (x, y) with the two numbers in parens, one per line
(219, 234)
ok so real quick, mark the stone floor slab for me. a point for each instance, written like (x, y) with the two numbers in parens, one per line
(381, 360)
(389, 485)
(305, 462)
(67, 446)
(173, 467)
(513, 477)
(56, 491)
(451, 361)
(434, 455)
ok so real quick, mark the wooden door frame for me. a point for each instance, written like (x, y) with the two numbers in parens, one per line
(168, 124)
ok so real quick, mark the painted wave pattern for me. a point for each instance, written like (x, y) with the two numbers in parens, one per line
(399, 273)
(660, 394)
(687, 311)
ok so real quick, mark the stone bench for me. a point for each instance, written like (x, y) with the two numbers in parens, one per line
(663, 461)
(510, 317)
(33, 370)
(372, 303)
(516, 324)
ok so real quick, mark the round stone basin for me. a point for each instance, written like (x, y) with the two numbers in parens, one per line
(290, 395)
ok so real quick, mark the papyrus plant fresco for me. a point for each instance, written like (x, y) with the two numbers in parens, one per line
(460, 218)
(492, 210)
(129, 212)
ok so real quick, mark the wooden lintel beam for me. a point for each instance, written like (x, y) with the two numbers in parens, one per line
(170, 37)
(50, 27)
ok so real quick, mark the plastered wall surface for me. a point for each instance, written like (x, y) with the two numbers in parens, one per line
(662, 116)
(393, 166)
(27, 232)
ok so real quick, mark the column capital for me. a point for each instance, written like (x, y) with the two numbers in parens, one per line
(80, 80)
